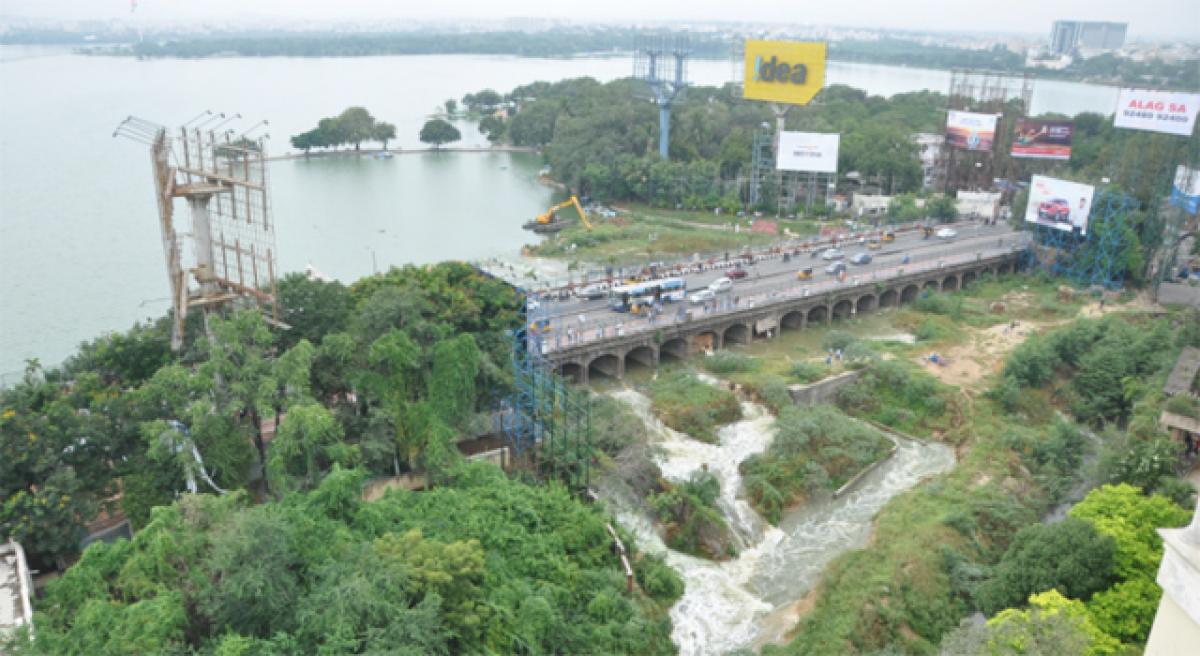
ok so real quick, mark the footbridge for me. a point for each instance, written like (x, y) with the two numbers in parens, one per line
(624, 343)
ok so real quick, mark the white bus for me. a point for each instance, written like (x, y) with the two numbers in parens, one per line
(632, 298)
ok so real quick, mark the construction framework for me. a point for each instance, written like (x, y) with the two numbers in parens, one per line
(225, 256)
(988, 92)
(1095, 260)
(545, 419)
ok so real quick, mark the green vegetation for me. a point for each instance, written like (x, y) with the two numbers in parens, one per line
(1184, 404)
(692, 406)
(353, 126)
(694, 523)
(813, 449)
(438, 131)
(1053, 624)
(899, 395)
(482, 565)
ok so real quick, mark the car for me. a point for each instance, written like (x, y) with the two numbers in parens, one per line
(721, 284)
(836, 268)
(833, 254)
(861, 258)
(946, 233)
(532, 305)
(736, 274)
(594, 292)
(1057, 210)
(702, 296)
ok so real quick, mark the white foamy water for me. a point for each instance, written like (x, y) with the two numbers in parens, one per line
(726, 604)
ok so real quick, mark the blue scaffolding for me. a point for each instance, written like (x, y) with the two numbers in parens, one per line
(1097, 259)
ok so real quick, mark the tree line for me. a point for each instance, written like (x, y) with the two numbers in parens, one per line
(352, 127)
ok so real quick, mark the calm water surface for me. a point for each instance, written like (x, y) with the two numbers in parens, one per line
(79, 244)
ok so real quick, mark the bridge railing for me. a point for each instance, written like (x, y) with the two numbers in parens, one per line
(568, 333)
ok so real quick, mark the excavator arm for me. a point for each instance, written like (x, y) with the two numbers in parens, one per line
(543, 219)
(582, 215)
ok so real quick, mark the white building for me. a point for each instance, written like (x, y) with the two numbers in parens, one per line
(979, 204)
(869, 205)
(1176, 629)
(930, 152)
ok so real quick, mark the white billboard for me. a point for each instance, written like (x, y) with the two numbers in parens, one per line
(1059, 204)
(815, 152)
(1168, 112)
(968, 131)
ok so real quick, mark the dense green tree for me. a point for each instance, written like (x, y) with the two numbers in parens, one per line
(383, 132)
(311, 308)
(1131, 519)
(438, 132)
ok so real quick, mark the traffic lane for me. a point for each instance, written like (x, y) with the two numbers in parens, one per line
(911, 244)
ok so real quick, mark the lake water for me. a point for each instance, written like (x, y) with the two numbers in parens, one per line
(79, 244)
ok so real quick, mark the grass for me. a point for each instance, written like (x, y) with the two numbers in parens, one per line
(692, 406)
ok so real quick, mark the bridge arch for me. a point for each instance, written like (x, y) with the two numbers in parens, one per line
(793, 320)
(968, 277)
(865, 303)
(675, 348)
(843, 309)
(641, 357)
(738, 333)
(889, 298)
(910, 294)
(818, 314)
(950, 284)
(1004, 268)
(931, 285)
(605, 365)
(572, 371)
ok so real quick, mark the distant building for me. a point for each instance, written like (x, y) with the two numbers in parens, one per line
(930, 152)
(869, 205)
(1067, 37)
(979, 204)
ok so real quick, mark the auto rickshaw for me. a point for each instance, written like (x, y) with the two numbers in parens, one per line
(889, 236)
(804, 274)
(874, 245)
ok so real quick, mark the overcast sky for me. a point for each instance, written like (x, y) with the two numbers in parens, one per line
(1147, 18)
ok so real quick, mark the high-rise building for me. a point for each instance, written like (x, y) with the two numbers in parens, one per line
(1066, 37)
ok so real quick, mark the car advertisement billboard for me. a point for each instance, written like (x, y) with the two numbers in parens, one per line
(1039, 139)
(1059, 204)
(968, 131)
(1185, 193)
(807, 151)
(1168, 112)
(789, 72)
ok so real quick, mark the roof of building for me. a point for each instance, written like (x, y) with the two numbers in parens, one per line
(1184, 374)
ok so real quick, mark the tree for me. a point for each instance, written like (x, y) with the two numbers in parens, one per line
(357, 125)
(437, 132)
(313, 308)
(942, 207)
(451, 106)
(1131, 519)
(1052, 625)
(484, 101)
(1070, 556)
(383, 132)
(309, 440)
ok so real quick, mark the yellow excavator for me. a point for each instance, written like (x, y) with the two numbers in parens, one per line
(549, 222)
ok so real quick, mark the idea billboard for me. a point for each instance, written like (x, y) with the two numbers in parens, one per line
(1059, 204)
(1040, 139)
(789, 72)
(968, 131)
(807, 151)
(1168, 112)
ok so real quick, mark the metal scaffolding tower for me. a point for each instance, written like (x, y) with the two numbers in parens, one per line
(986, 92)
(661, 62)
(1095, 260)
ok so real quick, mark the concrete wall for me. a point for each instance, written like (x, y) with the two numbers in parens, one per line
(822, 391)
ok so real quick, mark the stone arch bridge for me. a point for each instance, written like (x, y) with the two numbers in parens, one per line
(614, 355)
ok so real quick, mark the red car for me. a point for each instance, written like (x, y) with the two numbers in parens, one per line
(736, 274)
(1057, 210)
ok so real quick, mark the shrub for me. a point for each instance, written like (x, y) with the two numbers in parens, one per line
(1070, 556)
(807, 372)
(1184, 404)
(694, 523)
(692, 406)
(837, 339)
(1131, 519)
(1126, 610)
(657, 578)
(728, 362)
(775, 395)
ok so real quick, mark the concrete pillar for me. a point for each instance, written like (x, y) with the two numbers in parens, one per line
(202, 232)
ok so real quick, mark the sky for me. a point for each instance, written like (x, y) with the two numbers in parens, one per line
(1147, 18)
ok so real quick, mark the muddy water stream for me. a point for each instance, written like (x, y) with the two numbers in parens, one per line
(751, 599)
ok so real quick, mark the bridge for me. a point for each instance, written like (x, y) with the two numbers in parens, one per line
(610, 349)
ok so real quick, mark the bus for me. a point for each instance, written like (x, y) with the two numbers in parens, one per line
(633, 298)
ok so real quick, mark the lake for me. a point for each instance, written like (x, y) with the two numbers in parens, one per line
(80, 252)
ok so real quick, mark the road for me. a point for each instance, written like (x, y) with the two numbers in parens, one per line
(774, 275)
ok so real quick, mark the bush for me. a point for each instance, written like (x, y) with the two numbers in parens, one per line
(657, 578)
(837, 339)
(775, 395)
(694, 523)
(808, 372)
(1070, 556)
(1126, 610)
(1131, 519)
(1184, 404)
(728, 362)
(692, 406)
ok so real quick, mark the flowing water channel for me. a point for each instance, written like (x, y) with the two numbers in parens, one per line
(751, 599)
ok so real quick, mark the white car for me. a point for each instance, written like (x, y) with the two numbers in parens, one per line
(833, 254)
(720, 285)
(702, 296)
(946, 233)
(594, 292)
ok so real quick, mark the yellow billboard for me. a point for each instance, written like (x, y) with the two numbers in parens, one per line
(790, 72)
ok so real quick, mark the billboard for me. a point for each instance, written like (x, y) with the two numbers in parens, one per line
(1185, 193)
(1059, 204)
(789, 72)
(1043, 139)
(807, 151)
(1157, 111)
(967, 131)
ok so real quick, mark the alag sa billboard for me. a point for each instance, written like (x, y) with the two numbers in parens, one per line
(970, 131)
(1039, 139)
(807, 151)
(1169, 112)
(1059, 204)
(789, 72)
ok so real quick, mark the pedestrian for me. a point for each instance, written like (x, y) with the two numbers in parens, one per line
(1101, 303)
(1190, 443)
